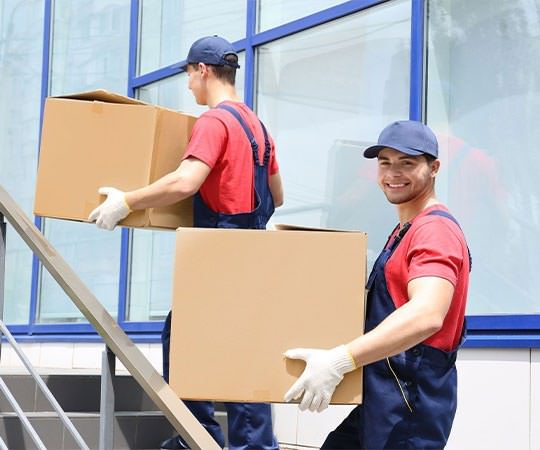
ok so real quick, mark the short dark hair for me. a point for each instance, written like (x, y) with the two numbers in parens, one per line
(225, 73)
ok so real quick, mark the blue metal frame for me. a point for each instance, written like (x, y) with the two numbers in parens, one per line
(416, 96)
(510, 331)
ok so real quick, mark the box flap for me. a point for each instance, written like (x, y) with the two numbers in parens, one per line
(290, 227)
(103, 96)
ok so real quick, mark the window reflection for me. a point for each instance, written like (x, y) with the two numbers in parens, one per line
(483, 100)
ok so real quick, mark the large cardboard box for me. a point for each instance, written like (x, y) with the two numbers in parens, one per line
(241, 298)
(99, 138)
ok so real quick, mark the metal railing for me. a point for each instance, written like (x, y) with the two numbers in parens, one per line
(115, 338)
(48, 394)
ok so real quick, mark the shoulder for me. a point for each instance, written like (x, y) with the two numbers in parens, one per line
(438, 222)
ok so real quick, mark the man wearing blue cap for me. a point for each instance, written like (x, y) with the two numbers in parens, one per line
(231, 169)
(415, 313)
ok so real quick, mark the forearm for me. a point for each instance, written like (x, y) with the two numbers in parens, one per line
(172, 188)
(166, 191)
(400, 331)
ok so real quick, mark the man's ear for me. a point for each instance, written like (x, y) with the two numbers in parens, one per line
(435, 165)
(203, 69)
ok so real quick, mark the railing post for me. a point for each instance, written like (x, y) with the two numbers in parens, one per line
(106, 416)
(2, 269)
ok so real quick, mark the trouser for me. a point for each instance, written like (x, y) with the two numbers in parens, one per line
(249, 424)
(347, 434)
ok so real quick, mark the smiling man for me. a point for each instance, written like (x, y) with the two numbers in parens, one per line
(415, 313)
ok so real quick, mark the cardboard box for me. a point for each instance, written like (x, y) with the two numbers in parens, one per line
(241, 298)
(95, 139)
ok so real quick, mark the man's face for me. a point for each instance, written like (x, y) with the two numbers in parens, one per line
(196, 82)
(405, 178)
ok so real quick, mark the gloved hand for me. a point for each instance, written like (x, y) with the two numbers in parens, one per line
(324, 371)
(112, 210)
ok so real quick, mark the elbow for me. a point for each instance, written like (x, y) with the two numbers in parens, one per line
(278, 202)
(183, 188)
(432, 325)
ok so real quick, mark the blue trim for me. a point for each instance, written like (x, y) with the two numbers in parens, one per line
(502, 341)
(249, 70)
(86, 338)
(125, 274)
(417, 60)
(315, 19)
(70, 328)
(172, 69)
(133, 46)
(506, 322)
(45, 69)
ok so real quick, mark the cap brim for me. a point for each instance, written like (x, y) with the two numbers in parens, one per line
(373, 151)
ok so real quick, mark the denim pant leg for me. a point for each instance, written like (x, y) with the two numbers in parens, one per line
(347, 434)
(203, 411)
(250, 426)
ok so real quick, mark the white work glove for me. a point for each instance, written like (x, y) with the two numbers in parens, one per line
(112, 210)
(324, 371)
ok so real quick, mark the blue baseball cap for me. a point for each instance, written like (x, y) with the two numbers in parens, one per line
(211, 50)
(406, 136)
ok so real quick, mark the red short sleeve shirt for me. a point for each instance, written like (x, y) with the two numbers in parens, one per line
(434, 246)
(219, 141)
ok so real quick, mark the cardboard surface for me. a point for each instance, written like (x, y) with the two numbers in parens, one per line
(95, 139)
(241, 298)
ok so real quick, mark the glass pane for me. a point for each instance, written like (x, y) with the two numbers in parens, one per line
(94, 255)
(90, 46)
(153, 251)
(325, 94)
(169, 28)
(89, 50)
(273, 13)
(21, 44)
(484, 103)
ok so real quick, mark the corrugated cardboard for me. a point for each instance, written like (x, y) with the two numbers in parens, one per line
(98, 138)
(241, 298)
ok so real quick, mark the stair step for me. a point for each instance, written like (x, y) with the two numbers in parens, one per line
(138, 422)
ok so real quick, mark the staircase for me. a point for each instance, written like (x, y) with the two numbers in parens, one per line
(138, 423)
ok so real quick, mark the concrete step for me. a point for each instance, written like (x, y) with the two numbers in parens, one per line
(138, 422)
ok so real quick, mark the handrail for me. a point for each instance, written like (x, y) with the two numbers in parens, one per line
(115, 338)
(39, 381)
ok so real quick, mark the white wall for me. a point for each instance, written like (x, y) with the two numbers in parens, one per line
(498, 389)
(498, 405)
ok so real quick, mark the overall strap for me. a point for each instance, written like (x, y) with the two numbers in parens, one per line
(438, 212)
(249, 134)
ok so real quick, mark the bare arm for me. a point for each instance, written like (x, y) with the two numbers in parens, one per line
(171, 188)
(421, 317)
(276, 188)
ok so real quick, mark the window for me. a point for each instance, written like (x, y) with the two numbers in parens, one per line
(89, 50)
(483, 100)
(169, 28)
(21, 31)
(273, 13)
(325, 94)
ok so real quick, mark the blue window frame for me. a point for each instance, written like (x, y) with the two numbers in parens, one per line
(484, 330)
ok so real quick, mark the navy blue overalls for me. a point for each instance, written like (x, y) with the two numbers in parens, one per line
(409, 399)
(249, 424)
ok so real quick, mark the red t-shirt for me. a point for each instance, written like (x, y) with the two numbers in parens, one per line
(434, 246)
(218, 140)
